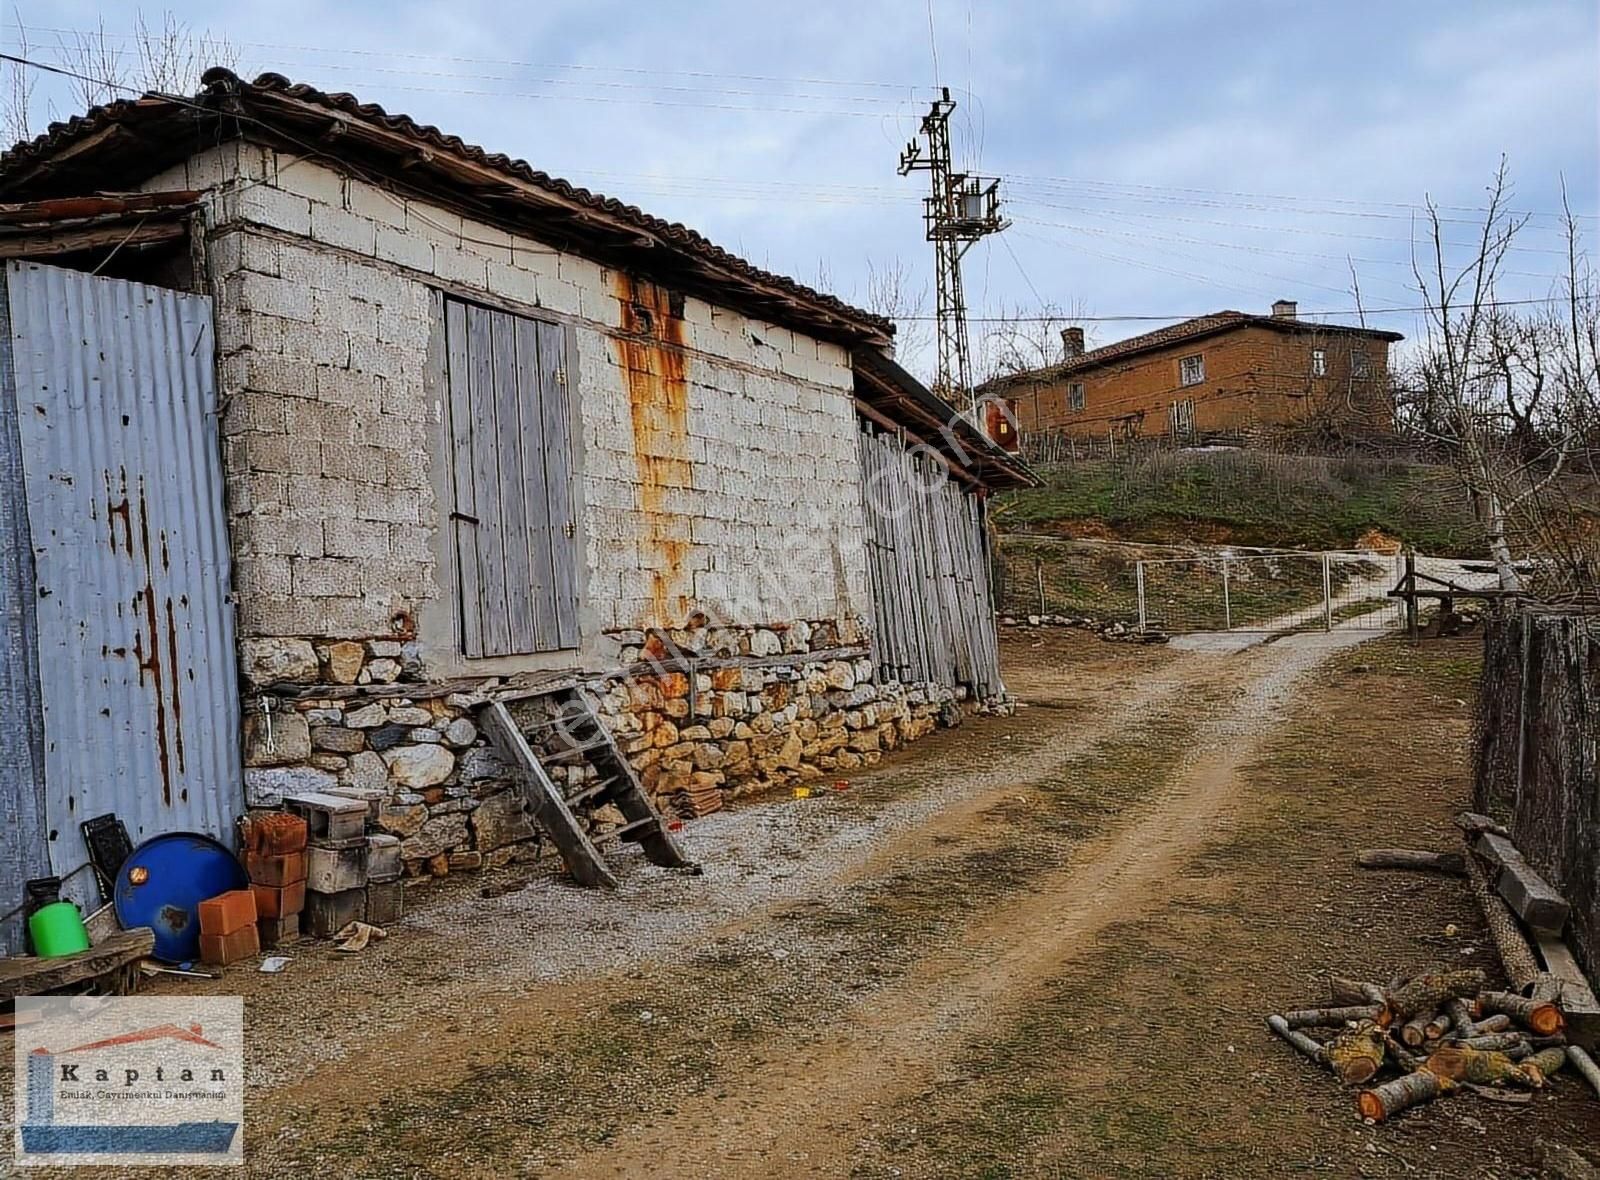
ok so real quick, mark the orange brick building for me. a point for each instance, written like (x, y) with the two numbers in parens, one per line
(1228, 373)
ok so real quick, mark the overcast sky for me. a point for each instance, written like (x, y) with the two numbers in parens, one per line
(1157, 159)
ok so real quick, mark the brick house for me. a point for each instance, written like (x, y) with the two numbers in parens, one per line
(422, 425)
(1224, 374)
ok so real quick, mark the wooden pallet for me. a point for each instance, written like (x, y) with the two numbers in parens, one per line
(111, 967)
(584, 738)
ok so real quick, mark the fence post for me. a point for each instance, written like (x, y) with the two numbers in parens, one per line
(1327, 593)
(1411, 595)
(1038, 573)
(1227, 597)
(1138, 574)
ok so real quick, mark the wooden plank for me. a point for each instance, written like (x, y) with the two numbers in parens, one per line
(1531, 897)
(465, 511)
(485, 425)
(557, 355)
(544, 801)
(1497, 850)
(25, 975)
(535, 487)
(1573, 992)
(513, 415)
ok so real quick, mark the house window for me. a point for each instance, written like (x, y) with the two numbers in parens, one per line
(1360, 366)
(1192, 370)
(1319, 362)
(1075, 395)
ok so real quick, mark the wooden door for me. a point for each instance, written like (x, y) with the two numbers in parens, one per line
(513, 516)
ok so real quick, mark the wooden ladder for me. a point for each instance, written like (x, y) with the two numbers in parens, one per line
(586, 738)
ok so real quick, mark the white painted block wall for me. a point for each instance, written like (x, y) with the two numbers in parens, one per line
(323, 287)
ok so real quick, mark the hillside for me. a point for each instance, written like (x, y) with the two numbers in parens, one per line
(1249, 498)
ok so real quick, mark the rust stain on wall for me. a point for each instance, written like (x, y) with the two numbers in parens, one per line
(655, 368)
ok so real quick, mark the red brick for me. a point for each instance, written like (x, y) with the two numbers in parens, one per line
(275, 834)
(274, 901)
(222, 949)
(226, 913)
(276, 870)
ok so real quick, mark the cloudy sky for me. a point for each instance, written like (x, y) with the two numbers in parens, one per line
(1157, 159)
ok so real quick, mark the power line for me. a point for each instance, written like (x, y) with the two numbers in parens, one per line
(1126, 319)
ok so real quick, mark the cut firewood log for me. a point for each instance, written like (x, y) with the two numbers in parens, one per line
(1450, 864)
(1431, 991)
(1344, 991)
(1494, 1041)
(1578, 1003)
(1330, 1017)
(1414, 1033)
(1543, 1064)
(1476, 1065)
(1403, 1057)
(1437, 1028)
(1461, 1018)
(1389, 1099)
(1498, 1023)
(1357, 1053)
(1515, 953)
(1584, 1064)
(1298, 1041)
(1541, 1016)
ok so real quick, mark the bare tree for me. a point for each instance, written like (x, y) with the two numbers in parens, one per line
(895, 294)
(1511, 396)
(167, 57)
(1019, 340)
(19, 87)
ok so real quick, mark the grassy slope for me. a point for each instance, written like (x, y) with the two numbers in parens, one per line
(1249, 498)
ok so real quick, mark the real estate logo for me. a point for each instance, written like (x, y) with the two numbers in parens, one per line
(135, 1080)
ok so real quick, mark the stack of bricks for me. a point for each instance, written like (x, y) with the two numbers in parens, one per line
(275, 858)
(228, 928)
(336, 860)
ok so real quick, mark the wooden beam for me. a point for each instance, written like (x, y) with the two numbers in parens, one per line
(44, 245)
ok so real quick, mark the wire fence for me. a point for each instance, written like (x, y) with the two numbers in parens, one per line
(1230, 590)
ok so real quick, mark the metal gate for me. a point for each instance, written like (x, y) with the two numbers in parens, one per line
(1269, 592)
(111, 411)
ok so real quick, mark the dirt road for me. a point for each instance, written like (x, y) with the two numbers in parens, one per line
(1034, 946)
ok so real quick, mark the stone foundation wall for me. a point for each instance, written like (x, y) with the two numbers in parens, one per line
(760, 707)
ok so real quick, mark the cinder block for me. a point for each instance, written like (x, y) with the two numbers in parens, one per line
(385, 902)
(383, 858)
(328, 913)
(333, 870)
(279, 901)
(222, 949)
(227, 913)
(330, 819)
(277, 931)
(276, 871)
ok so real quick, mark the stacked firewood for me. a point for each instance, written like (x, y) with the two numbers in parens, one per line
(1435, 1034)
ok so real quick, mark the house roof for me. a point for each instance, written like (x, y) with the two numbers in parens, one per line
(887, 392)
(114, 146)
(1180, 333)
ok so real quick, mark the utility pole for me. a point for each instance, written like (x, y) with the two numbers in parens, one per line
(961, 209)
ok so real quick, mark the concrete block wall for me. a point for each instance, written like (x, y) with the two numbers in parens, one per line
(324, 287)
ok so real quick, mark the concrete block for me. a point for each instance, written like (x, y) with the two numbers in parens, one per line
(330, 819)
(333, 870)
(276, 932)
(383, 858)
(385, 902)
(328, 913)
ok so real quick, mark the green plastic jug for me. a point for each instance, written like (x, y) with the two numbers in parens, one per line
(57, 929)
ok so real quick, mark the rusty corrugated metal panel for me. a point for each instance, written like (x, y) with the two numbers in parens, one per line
(117, 414)
(22, 844)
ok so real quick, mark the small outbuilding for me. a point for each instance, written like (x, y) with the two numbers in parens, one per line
(321, 427)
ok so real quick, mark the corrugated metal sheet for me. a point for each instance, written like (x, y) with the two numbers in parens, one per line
(22, 845)
(117, 415)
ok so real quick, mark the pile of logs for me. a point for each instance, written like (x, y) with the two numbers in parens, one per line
(1438, 1033)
